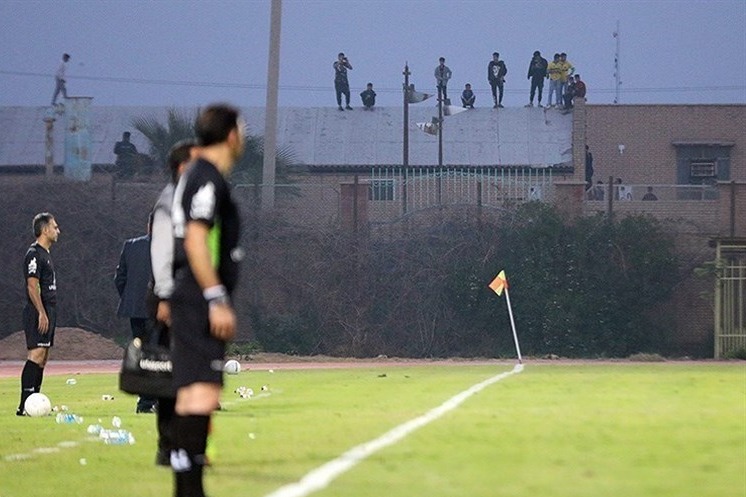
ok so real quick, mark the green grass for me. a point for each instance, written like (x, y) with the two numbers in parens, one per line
(662, 429)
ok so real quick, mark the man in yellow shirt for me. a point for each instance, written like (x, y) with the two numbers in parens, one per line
(554, 73)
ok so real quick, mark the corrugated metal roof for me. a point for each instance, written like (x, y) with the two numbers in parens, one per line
(326, 136)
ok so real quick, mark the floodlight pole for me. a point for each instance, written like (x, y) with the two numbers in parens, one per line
(405, 126)
(440, 126)
(405, 138)
(440, 145)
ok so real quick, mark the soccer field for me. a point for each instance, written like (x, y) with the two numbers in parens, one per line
(560, 429)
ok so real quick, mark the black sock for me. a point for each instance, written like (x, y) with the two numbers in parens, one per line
(29, 375)
(188, 455)
(39, 379)
(165, 419)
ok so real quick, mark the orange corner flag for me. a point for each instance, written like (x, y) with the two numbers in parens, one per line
(499, 284)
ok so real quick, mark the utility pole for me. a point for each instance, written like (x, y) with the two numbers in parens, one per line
(270, 123)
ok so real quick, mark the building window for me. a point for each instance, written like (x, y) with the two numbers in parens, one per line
(702, 162)
(381, 190)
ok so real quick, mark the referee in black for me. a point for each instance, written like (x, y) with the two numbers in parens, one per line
(206, 256)
(39, 314)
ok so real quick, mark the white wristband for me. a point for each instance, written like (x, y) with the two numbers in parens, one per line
(214, 292)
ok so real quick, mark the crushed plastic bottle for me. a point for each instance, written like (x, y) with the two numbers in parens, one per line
(117, 437)
(94, 429)
(244, 392)
(68, 418)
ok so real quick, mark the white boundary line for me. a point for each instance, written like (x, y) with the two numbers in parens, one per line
(320, 477)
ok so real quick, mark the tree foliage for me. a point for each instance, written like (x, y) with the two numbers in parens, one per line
(583, 289)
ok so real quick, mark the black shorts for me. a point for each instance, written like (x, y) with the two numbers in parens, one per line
(34, 339)
(196, 355)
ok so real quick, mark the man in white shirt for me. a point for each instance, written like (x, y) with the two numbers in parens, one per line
(59, 78)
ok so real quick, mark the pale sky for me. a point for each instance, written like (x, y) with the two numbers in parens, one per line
(191, 52)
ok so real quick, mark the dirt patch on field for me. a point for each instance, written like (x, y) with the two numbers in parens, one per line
(70, 344)
(76, 344)
(79, 351)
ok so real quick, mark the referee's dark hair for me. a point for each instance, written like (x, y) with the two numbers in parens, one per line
(179, 153)
(215, 123)
(41, 221)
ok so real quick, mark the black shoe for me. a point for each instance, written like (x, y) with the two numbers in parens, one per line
(163, 458)
(19, 412)
(146, 410)
(340, 108)
(348, 108)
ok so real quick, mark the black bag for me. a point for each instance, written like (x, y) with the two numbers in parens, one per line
(147, 370)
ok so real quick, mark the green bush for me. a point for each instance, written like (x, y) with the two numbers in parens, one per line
(736, 354)
(286, 333)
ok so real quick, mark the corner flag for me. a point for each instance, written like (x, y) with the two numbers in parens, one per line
(497, 285)
(500, 283)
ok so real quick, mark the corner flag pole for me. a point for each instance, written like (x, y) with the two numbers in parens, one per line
(497, 285)
(512, 325)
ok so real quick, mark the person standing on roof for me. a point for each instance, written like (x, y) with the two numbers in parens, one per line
(554, 73)
(59, 79)
(341, 84)
(537, 71)
(442, 75)
(496, 71)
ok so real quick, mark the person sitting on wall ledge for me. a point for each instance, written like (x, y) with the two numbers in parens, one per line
(649, 195)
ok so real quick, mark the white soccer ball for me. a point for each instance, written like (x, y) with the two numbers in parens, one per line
(232, 367)
(37, 405)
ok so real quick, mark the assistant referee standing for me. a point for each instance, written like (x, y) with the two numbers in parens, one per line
(206, 256)
(40, 314)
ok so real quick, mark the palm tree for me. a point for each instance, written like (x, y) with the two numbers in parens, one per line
(180, 126)
(248, 170)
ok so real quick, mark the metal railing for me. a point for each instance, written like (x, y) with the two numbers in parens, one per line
(647, 192)
(730, 300)
(419, 188)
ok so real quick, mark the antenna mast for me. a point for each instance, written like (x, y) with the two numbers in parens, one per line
(617, 68)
